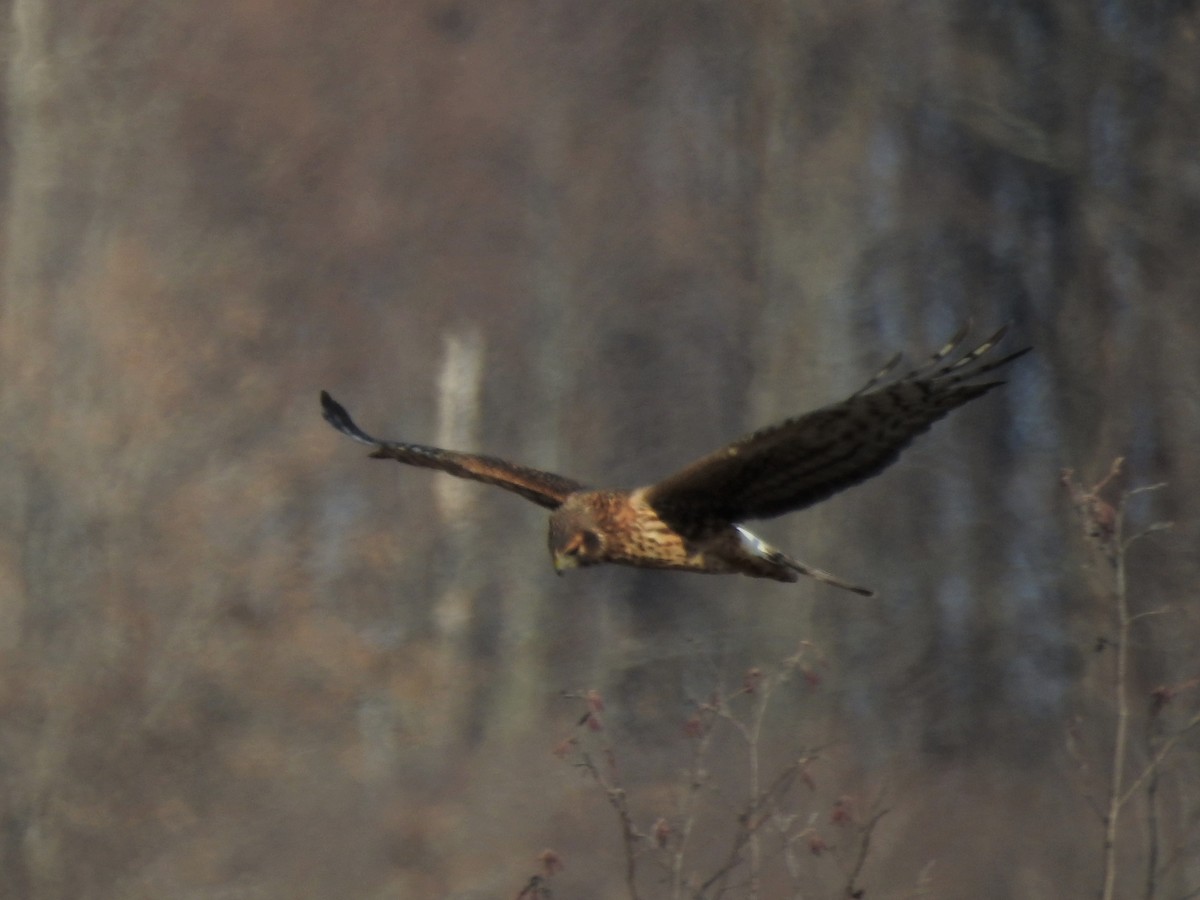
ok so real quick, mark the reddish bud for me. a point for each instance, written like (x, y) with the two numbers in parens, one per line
(1160, 697)
(550, 861)
(662, 832)
(594, 701)
(1102, 519)
(752, 679)
(842, 812)
(816, 844)
(593, 722)
(565, 747)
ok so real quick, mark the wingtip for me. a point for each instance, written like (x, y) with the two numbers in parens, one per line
(335, 414)
(1017, 354)
(1000, 332)
(957, 338)
(332, 411)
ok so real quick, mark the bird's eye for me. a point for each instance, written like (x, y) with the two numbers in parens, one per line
(584, 543)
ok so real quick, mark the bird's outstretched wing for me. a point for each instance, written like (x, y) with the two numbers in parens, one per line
(543, 488)
(806, 459)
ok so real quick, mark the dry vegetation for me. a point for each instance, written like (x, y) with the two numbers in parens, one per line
(1164, 715)
(785, 837)
(773, 822)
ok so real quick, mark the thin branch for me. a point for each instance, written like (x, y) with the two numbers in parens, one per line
(1153, 733)
(1116, 793)
(1105, 524)
(1149, 529)
(1161, 611)
(751, 820)
(535, 889)
(630, 836)
(593, 721)
(761, 687)
(864, 847)
(1163, 752)
(687, 807)
(1146, 489)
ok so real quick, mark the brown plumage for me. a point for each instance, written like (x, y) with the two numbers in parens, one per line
(690, 520)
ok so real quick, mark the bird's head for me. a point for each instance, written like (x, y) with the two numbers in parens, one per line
(575, 538)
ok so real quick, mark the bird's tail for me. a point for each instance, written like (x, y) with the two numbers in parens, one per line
(826, 578)
(756, 547)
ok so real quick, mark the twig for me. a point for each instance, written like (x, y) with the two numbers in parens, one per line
(1149, 529)
(630, 836)
(1105, 523)
(1149, 613)
(593, 721)
(1153, 733)
(754, 763)
(535, 889)
(750, 821)
(861, 858)
(1116, 797)
(1165, 750)
(924, 881)
(761, 687)
(591, 749)
(701, 725)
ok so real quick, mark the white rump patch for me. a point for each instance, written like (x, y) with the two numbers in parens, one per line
(755, 544)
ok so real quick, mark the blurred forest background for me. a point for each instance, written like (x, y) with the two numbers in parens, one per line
(242, 661)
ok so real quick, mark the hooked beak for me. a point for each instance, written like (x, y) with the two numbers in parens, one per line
(564, 561)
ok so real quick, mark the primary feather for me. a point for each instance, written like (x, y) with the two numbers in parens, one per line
(804, 460)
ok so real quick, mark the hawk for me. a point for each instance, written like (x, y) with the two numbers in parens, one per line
(691, 520)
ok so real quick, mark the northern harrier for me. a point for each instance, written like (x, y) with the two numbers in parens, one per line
(690, 520)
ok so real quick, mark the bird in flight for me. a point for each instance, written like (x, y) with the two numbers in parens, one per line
(691, 520)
